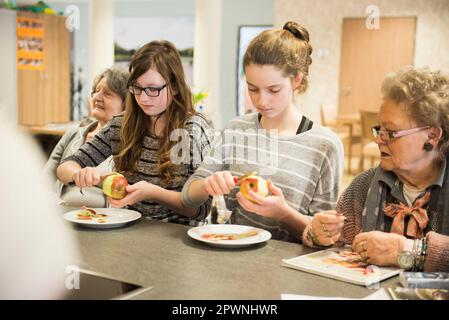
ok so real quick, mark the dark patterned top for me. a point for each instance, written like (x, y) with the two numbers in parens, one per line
(197, 137)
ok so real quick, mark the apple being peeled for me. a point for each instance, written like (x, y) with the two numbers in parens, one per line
(114, 186)
(257, 184)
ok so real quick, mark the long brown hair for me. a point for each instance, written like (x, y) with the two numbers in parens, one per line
(165, 59)
(288, 49)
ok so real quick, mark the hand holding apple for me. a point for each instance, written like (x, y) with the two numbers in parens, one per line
(114, 185)
(137, 192)
(255, 183)
(272, 206)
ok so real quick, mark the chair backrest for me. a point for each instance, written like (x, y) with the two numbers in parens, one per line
(368, 119)
(328, 114)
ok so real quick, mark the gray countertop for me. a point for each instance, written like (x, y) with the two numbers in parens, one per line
(163, 256)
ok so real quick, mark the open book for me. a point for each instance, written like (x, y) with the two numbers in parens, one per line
(341, 264)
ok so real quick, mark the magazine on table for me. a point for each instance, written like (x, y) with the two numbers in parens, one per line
(341, 264)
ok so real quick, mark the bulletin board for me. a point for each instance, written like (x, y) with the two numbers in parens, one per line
(30, 44)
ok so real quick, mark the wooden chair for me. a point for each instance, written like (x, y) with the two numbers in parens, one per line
(369, 147)
(328, 114)
(329, 118)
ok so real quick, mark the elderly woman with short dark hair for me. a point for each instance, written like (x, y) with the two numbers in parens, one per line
(397, 214)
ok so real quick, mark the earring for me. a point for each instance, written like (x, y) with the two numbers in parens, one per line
(428, 146)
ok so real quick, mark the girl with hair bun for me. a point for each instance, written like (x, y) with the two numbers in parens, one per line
(303, 161)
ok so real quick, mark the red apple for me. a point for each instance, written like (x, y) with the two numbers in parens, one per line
(114, 185)
(254, 183)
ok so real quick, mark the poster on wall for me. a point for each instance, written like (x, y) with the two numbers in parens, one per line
(30, 44)
(246, 34)
(128, 37)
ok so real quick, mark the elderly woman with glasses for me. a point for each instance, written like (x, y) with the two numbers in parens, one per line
(397, 214)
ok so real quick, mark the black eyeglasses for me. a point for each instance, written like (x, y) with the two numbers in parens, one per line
(149, 91)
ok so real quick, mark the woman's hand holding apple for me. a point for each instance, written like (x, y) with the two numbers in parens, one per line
(114, 185)
(252, 182)
(139, 191)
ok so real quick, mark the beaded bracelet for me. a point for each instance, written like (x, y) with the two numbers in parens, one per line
(416, 254)
(423, 254)
(419, 254)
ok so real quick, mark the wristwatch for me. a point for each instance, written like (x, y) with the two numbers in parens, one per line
(406, 260)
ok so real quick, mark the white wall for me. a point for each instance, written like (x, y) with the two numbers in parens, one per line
(101, 37)
(234, 14)
(207, 56)
(323, 19)
(148, 8)
(8, 66)
(216, 47)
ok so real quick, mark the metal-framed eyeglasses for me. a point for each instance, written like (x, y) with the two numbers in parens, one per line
(388, 135)
(149, 91)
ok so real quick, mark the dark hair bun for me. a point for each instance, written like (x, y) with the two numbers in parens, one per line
(297, 30)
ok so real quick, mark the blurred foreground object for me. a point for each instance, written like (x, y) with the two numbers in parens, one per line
(35, 243)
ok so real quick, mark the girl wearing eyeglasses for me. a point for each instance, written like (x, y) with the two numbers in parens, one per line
(397, 214)
(157, 143)
(302, 160)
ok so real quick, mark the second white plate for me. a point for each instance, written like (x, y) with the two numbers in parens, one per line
(198, 233)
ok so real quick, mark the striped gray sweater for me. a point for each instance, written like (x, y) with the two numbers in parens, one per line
(307, 167)
(107, 142)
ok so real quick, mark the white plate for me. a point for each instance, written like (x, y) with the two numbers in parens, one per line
(197, 232)
(114, 217)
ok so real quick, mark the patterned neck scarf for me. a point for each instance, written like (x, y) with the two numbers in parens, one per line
(418, 216)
